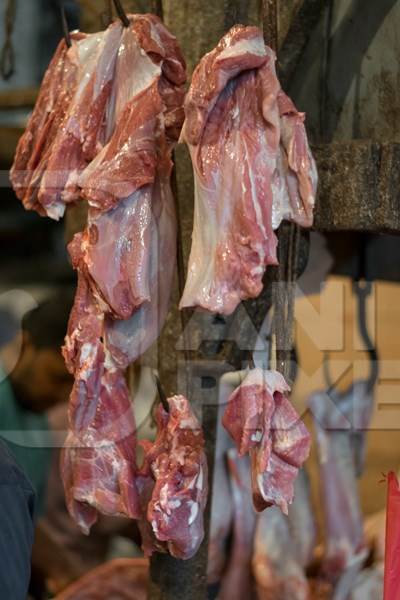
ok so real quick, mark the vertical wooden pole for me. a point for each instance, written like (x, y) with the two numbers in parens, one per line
(173, 579)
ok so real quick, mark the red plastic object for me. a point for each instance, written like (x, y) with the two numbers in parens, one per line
(392, 545)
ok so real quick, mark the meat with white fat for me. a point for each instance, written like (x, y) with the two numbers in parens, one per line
(124, 281)
(177, 464)
(34, 146)
(252, 168)
(264, 424)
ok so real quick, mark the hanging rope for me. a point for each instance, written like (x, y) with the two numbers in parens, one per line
(7, 56)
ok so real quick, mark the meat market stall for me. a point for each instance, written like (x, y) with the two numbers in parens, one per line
(131, 123)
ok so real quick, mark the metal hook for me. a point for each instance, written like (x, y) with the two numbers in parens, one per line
(161, 393)
(121, 13)
(67, 35)
(252, 364)
(362, 289)
(7, 54)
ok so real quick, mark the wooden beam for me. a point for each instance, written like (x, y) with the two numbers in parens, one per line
(19, 98)
(303, 23)
(359, 186)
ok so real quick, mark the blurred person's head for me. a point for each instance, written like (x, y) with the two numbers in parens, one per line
(40, 378)
(10, 340)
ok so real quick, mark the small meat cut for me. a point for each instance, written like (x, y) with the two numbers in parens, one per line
(338, 418)
(34, 146)
(252, 168)
(264, 424)
(174, 483)
(276, 570)
(237, 582)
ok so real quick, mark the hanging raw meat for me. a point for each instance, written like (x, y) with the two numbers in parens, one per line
(129, 339)
(301, 518)
(237, 582)
(124, 281)
(264, 424)
(83, 132)
(34, 146)
(98, 463)
(252, 168)
(277, 573)
(222, 508)
(345, 549)
(174, 483)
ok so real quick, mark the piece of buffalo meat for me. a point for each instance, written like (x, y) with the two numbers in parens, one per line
(128, 339)
(124, 281)
(83, 130)
(302, 522)
(33, 150)
(252, 168)
(148, 105)
(222, 508)
(344, 537)
(277, 573)
(264, 424)
(178, 467)
(131, 221)
(237, 582)
(98, 462)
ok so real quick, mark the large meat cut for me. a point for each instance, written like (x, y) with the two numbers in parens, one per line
(108, 114)
(131, 223)
(252, 168)
(174, 483)
(264, 424)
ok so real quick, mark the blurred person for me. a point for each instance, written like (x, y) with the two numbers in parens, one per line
(33, 380)
(34, 423)
(38, 381)
(16, 527)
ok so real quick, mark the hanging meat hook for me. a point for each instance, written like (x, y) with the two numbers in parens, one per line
(362, 289)
(7, 57)
(67, 35)
(121, 13)
(161, 393)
